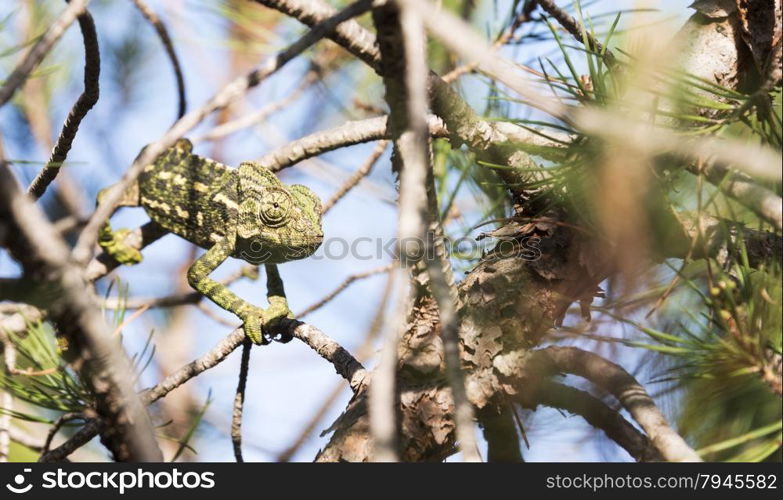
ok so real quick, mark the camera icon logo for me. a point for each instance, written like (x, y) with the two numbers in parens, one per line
(19, 480)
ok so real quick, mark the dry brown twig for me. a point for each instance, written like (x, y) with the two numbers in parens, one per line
(85, 102)
(171, 53)
(252, 119)
(576, 30)
(342, 286)
(58, 424)
(357, 176)
(632, 395)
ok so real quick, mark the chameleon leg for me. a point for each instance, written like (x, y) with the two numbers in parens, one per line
(253, 317)
(278, 304)
(113, 242)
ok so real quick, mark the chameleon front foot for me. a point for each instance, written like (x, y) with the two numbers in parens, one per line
(258, 322)
(114, 244)
(253, 324)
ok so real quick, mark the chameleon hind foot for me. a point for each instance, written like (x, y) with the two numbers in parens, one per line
(114, 244)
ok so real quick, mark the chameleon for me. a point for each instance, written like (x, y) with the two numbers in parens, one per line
(245, 213)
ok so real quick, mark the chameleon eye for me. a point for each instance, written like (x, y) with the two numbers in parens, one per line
(275, 208)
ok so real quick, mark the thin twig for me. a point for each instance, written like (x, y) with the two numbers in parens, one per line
(760, 199)
(461, 38)
(349, 33)
(490, 140)
(239, 401)
(39, 50)
(178, 299)
(262, 114)
(223, 98)
(578, 31)
(364, 351)
(58, 424)
(345, 365)
(138, 312)
(215, 355)
(357, 176)
(17, 322)
(501, 40)
(168, 45)
(83, 436)
(614, 379)
(342, 286)
(215, 316)
(85, 102)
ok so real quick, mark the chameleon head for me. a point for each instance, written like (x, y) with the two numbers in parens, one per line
(277, 223)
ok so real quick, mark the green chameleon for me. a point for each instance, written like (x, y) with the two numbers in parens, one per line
(246, 213)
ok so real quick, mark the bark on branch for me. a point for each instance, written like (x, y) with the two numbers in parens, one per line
(618, 382)
(93, 352)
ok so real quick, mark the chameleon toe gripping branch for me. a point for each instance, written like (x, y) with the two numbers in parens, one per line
(245, 213)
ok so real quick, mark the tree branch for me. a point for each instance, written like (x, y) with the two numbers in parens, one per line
(493, 142)
(600, 416)
(712, 237)
(500, 432)
(347, 134)
(21, 437)
(419, 214)
(256, 117)
(578, 31)
(461, 38)
(342, 286)
(364, 351)
(762, 201)
(58, 424)
(615, 380)
(357, 176)
(344, 363)
(239, 401)
(79, 439)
